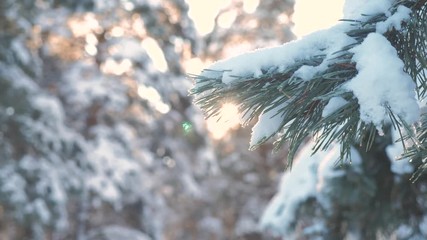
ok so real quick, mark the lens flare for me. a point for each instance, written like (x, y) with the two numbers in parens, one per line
(187, 127)
(227, 119)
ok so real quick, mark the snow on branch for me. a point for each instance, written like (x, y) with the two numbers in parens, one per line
(367, 62)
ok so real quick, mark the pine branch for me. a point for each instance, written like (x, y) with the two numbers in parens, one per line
(300, 102)
(411, 45)
(419, 4)
(417, 147)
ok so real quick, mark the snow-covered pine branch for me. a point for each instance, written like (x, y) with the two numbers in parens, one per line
(342, 84)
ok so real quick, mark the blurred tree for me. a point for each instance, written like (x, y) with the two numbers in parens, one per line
(99, 138)
(88, 116)
(330, 86)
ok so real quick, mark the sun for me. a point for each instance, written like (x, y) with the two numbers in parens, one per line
(227, 119)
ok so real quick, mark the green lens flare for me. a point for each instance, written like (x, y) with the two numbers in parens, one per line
(187, 127)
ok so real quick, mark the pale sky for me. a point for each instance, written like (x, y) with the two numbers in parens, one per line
(310, 15)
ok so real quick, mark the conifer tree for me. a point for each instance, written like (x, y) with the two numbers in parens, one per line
(356, 85)
(85, 119)
(94, 134)
(314, 86)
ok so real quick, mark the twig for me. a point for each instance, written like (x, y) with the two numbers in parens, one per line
(419, 4)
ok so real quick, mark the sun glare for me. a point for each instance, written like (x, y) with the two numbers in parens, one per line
(155, 53)
(249, 6)
(203, 13)
(310, 15)
(226, 19)
(153, 97)
(227, 119)
(118, 68)
(194, 65)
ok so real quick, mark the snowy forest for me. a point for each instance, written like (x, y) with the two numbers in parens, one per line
(119, 119)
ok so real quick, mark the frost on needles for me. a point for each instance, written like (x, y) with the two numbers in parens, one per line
(342, 84)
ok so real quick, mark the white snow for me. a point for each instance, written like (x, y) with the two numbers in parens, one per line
(255, 63)
(326, 168)
(395, 21)
(128, 48)
(404, 232)
(13, 184)
(155, 53)
(111, 165)
(114, 232)
(308, 178)
(245, 225)
(381, 81)
(353, 9)
(39, 206)
(21, 52)
(398, 166)
(211, 224)
(51, 107)
(83, 86)
(268, 124)
(334, 104)
(423, 225)
(361, 9)
(191, 185)
(297, 185)
(18, 78)
(151, 95)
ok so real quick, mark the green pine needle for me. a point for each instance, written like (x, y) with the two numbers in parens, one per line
(303, 101)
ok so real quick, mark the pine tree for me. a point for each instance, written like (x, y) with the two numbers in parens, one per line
(322, 87)
(87, 119)
(94, 134)
(40, 154)
(295, 88)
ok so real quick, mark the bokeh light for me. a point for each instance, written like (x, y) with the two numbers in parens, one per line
(187, 127)
(227, 119)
